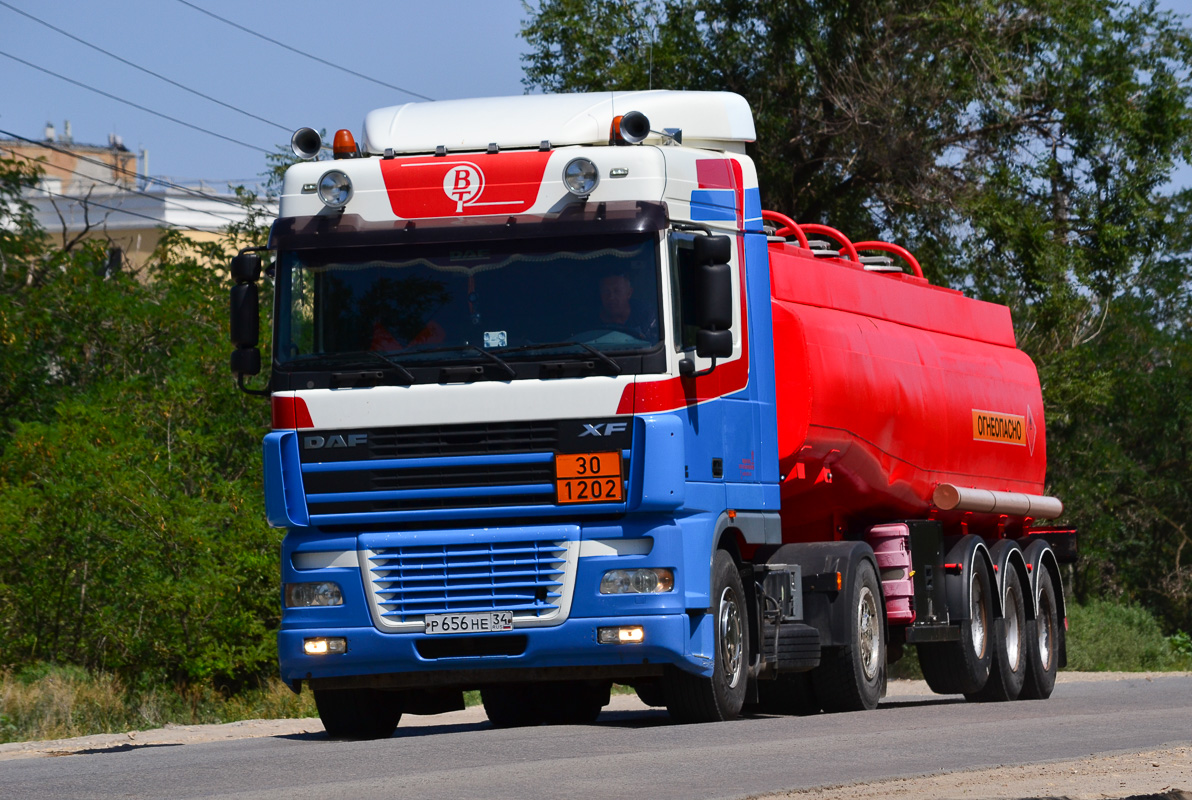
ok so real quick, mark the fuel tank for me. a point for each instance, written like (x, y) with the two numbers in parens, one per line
(888, 387)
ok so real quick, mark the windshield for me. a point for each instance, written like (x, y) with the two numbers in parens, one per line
(440, 303)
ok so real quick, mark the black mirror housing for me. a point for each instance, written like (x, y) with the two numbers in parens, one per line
(713, 344)
(712, 249)
(246, 361)
(245, 315)
(713, 305)
(246, 268)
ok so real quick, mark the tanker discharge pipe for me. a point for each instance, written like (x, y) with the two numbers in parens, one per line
(1014, 504)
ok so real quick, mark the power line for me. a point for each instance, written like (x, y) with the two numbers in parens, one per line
(221, 217)
(122, 170)
(89, 202)
(135, 105)
(195, 92)
(303, 52)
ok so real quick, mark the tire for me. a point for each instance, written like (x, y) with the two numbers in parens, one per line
(358, 713)
(573, 702)
(1008, 667)
(852, 677)
(790, 693)
(651, 692)
(962, 667)
(693, 698)
(1042, 641)
(512, 705)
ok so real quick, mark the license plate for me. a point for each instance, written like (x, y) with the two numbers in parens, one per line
(589, 478)
(487, 622)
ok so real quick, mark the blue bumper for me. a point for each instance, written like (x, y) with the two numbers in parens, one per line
(676, 629)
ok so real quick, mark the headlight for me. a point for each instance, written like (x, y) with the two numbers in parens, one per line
(324, 593)
(335, 189)
(580, 176)
(637, 581)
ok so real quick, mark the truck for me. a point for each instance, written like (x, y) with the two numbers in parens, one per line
(557, 405)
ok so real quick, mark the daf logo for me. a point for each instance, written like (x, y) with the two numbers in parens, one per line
(328, 442)
(609, 428)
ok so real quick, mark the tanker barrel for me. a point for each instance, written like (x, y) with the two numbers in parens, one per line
(1015, 504)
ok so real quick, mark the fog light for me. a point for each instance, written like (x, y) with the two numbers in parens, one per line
(323, 593)
(637, 581)
(580, 176)
(335, 189)
(322, 646)
(630, 634)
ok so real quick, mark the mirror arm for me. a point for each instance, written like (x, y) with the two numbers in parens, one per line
(266, 392)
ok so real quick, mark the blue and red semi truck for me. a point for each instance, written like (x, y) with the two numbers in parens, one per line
(557, 404)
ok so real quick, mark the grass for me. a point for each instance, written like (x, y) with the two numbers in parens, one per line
(53, 702)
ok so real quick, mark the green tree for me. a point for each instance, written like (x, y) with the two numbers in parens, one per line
(132, 536)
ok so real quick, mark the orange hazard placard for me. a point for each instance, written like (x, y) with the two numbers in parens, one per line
(589, 478)
(992, 426)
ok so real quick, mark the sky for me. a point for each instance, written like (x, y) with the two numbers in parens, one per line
(442, 50)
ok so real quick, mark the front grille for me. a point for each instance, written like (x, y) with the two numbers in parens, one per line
(525, 577)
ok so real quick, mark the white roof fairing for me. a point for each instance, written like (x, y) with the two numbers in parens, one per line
(524, 121)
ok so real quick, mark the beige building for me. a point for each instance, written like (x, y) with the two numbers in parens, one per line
(100, 192)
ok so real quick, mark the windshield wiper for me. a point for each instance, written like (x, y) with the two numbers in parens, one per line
(405, 373)
(612, 365)
(337, 361)
(500, 362)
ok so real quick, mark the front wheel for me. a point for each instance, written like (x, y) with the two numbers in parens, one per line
(358, 713)
(693, 698)
(853, 677)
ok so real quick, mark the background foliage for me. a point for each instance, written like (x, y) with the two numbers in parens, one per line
(1022, 148)
(131, 530)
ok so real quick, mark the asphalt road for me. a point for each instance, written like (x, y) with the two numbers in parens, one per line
(636, 754)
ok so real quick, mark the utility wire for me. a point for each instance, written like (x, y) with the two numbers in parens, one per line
(81, 41)
(303, 52)
(122, 170)
(135, 105)
(115, 209)
(221, 217)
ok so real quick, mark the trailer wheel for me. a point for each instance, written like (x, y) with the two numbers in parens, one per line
(692, 698)
(853, 677)
(1042, 641)
(962, 667)
(512, 705)
(789, 693)
(1008, 667)
(573, 702)
(358, 713)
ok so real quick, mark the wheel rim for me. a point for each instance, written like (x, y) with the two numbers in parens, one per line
(1045, 633)
(1013, 631)
(868, 633)
(977, 625)
(731, 637)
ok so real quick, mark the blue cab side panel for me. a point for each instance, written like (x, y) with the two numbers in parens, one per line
(285, 501)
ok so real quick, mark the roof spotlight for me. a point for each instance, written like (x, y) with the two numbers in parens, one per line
(580, 176)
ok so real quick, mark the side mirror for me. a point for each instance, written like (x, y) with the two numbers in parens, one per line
(712, 249)
(245, 315)
(713, 306)
(246, 268)
(246, 361)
